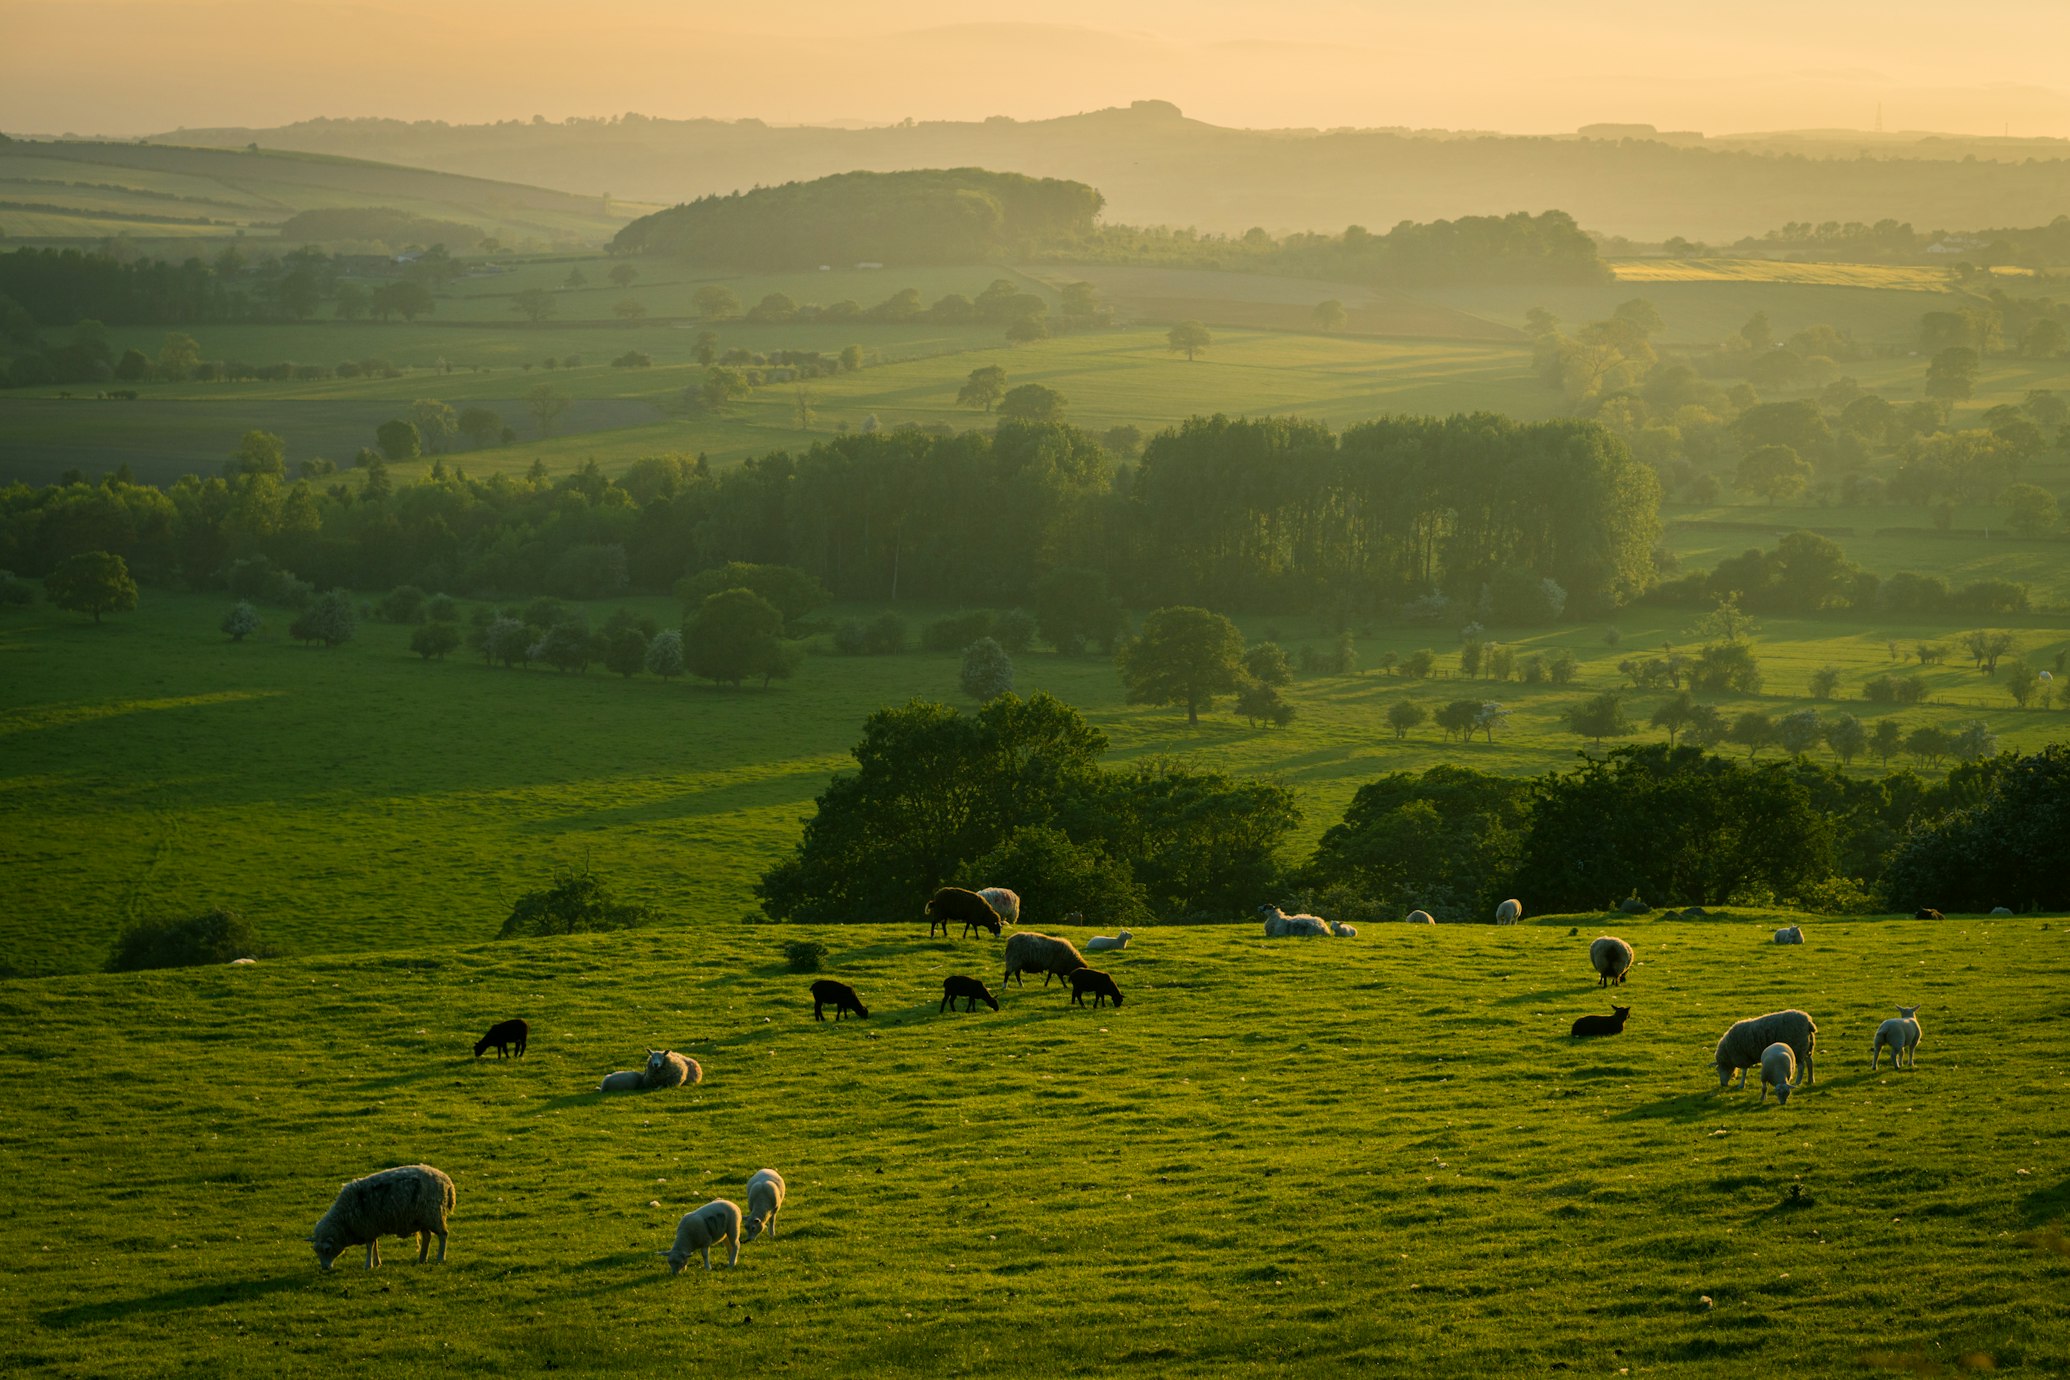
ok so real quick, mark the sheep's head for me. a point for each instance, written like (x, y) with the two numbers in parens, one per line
(657, 1059)
(328, 1248)
(1907, 1012)
(752, 1230)
(676, 1260)
(1621, 1012)
(990, 1000)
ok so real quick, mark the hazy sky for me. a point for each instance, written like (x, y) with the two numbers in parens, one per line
(137, 66)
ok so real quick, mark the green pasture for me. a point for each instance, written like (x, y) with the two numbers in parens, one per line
(1380, 1154)
(359, 798)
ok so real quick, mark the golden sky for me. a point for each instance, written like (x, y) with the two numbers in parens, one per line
(1528, 66)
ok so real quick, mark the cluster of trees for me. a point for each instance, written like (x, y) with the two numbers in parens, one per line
(961, 215)
(1806, 572)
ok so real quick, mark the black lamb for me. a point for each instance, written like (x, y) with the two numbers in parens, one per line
(502, 1035)
(1092, 980)
(1612, 1024)
(953, 903)
(840, 996)
(967, 987)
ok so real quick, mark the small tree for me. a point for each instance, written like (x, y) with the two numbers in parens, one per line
(1330, 315)
(241, 621)
(1773, 472)
(733, 635)
(984, 388)
(664, 656)
(1188, 338)
(1887, 740)
(1675, 715)
(1799, 732)
(331, 620)
(1459, 717)
(1032, 402)
(622, 275)
(1847, 738)
(1418, 665)
(1972, 742)
(1753, 731)
(715, 303)
(403, 604)
(398, 440)
(1183, 656)
(722, 385)
(1599, 717)
(480, 425)
(625, 651)
(534, 304)
(1403, 715)
(546, 403)
(1929, 743)
(565, 647)
(576, 903)
(94, 582)
(987, 670)
(1824, 681)
(433, 640)
(1256, 700)
(1267, 664)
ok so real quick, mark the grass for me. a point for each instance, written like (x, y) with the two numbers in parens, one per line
(1380, 1154)
(359, 798)
(1913, 277)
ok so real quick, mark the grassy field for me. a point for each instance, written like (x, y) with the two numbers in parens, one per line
(1380, 1154)
(360, 798)
(1918, 278)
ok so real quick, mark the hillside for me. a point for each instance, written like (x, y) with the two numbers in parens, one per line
(81, 190)
(1157, 167)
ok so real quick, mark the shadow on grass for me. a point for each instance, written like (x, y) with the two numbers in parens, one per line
(2045, 1205)
(175, 1300)
(1688, 1106)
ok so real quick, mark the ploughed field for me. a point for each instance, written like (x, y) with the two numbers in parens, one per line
(1277, 1156)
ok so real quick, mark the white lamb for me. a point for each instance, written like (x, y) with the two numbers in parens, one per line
(1101, 943)
(1778, 1071)
(1005, 904)
(765, 1199)
(1741, 1046)
(1280, 925)
(1509, 912)
(1793, 934)
(699, 1231)
(1901, 1034)
(1342, 930)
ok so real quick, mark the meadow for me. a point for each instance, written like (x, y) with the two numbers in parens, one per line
(1275, 1158)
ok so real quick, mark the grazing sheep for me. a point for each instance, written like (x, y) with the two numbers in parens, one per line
(411, 1201)
(1509, 912)
(1791, 934)
(502, 1035)
(2001, 913)
(765, 1199)
(699, 1231)
(1612, 1024)
(968, 988)
(1029, 952)
(840, 996)
(668, 1069)
(1927, 913)
(1741, 1046)
(1092, 980)
(1342, 930)
(1101, 943)
(1778, 1071)
(1420, 917)
(625, 1080)
(1901, 1035)
(1611, 957)
(1005, 904)
(953, 903)
(1280, 925)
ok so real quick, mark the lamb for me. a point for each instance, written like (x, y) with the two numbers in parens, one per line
(1612, 1024)
(1611, 957)
(1029, 952)
(1280, 925)
(1792, 934)
(840, 996)
(1419, 917)
(1005, 904)
(668, 1069)
(1740, 1048)
(1778, 1071)
(625, 1080)
(413, 1200)
(716, 1221)
(503, 1034)
(1092, 980)
(953, 903)
(1509, 912)
(1342, 930)
(1901, 1034)
(968, 988)
(1102, 943)
(765, 1199)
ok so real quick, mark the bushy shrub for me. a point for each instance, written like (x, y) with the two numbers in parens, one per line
(241, 621)
(987, 670)
(403, 604)
(886, 634)
(1014, 630)
(434, 640)
(214, 936)
(805, 955)
(576, 903)
(851, 637)
(331, 619)
(960, 630)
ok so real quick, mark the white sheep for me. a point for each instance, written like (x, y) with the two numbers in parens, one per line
(1901, 1035)
(1790, 934)
(1342, 930)
(1778, 1071)
(1611, 957)
(1029, 952)
(716, 1221)
(1005, 904)
(1509, 912)
(241, 962)
(1741, 1046)
(413, 1200)
(1101, 943)
(765, 1199)
(1280, 925)
(668, 1069)
(2001, 912)
(625, 1080)
(1420, 917)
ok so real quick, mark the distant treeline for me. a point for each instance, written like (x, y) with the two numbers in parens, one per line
(960, 215)
(1263, 514)
(384, 224)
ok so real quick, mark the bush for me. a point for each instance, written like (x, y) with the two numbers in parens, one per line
(851, 638)
(215, 936)
(241, 621)
(259, 579)
(805, 955)
(1267, 664)
(1014, 630)
(576, 903)
(440, 608)
(332, 619)
(403, 604)
(885, 635)
(633, 359)
(987, 670)
(950, 634)
(1056, 876)
(434, 640)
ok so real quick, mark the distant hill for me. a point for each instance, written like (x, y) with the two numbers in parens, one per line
(1157, 167)
(83, 190)
(961, 215)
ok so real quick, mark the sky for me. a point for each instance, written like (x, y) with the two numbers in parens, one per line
(123, 67)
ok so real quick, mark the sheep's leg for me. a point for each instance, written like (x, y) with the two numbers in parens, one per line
(772, 1224)
(373, 1254)
(423, 1245)
(441, 1245)
(733, 1256)
(815, 1012)
(707, 1250)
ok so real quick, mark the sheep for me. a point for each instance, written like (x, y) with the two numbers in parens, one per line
(716, 1221)
(1778, 1071)
(1092, 980)
(414, 1200)
(1005, 904)
(1102, 943)
(1611, 957)
(668, 1069)
(241, 962)
(2001, 912)
(1029, 952)
(765, 1200)
(1790, 934)
(1927, 913)
(1280, 925)
(1901, 1034)
(1509, 912)
(966, 987)
(1612, 1024)
(953, 903)
(1342, 930)
(503, 1034)
(1740, 1048)
(840, 996)
(1419, 917)
(625, 1080)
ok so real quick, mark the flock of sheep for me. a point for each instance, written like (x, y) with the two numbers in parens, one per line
(416, 1200)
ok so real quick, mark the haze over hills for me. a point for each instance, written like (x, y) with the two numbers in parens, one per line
(1157, 167)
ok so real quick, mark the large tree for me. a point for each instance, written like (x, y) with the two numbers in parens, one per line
(734, 634)
(94, 582)
(1188, 338)
(1182, 656)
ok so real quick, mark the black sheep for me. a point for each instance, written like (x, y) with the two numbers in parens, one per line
(840, 996)
(502, 1035)
(970, 987)
(1612, 1024)
(1092, 980)
(953, 903)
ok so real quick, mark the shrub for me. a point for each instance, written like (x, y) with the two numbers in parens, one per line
(1267, 664)
(440, 608)
(215, 936)
(949, 634)
(241, 621)
(1257, 700)
(987, 670)
(851, 638)
(805, 955)
(332, 619)
(576, 903)
(434, 640)
(403, 604)
(1014, 630)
